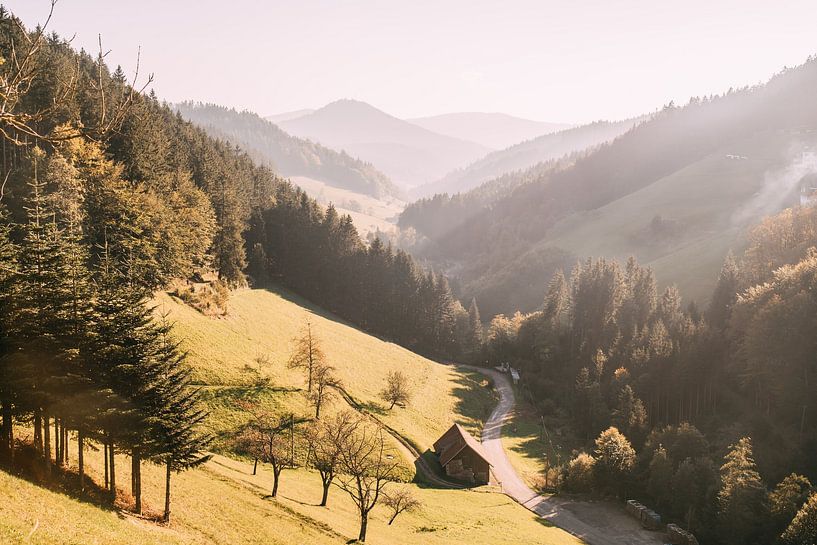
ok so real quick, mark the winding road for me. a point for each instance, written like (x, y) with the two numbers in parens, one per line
(597, 523)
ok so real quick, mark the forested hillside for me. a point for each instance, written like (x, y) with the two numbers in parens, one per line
(686, 182)
(434, 217)
(705, 416)
(288, 155)
(108, 195)
(524, 155)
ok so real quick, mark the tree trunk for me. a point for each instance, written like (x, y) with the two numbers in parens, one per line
(112, 464)
(276, 473)
(81, 460)
(364, 522)
(105, 457)
(136, 480)
(392, 405)
(38, 431)
(65, 442)
(47, 442)
(325, 497)
(255, 467)
(57, 442)
(394, 516)
(318, 409)
(8, 434)
(167, 493)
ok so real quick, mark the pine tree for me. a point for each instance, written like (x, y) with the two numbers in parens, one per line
(787, 498)
(725, 294)
(659, 481)
(42, 312)
(803, 529)
(740, 499)
(176, 413)
(615, 459)
(8, 272)
(476, 335)
(630, 415)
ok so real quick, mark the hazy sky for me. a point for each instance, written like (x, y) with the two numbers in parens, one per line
(569, 61)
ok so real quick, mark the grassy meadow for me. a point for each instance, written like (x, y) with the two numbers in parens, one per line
(222, 502)
(260, 327)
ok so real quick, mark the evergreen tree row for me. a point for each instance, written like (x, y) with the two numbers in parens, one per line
(608, 349)
(319, 254)
(81, 351)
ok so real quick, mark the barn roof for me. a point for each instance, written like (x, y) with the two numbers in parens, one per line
(467, 441)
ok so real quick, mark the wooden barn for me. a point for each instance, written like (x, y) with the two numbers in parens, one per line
(462, 456)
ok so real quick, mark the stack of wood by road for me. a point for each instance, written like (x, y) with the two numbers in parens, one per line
(649, 519)
(679, 536)
(652, 521)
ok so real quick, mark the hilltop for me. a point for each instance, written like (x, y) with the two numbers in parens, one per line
(287, 154)
(523, 155)
(410, 155)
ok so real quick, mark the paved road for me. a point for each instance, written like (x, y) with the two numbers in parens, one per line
(597, 523)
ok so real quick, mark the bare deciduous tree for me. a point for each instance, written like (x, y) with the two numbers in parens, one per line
(325, 439)
(396, 390)
(267, 438)
(400, 500)
(323, 380)
(307, 353)
(19, 71)
(366, 467)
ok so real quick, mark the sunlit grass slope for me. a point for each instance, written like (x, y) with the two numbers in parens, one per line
(711, 201)
(224, 353)
(222, 503)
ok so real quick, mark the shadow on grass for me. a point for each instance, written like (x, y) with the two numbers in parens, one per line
(31, 467)
(304, 503)
(374, 408)
(475, 395)
(432, 462)
(532, 441)
(315, 309)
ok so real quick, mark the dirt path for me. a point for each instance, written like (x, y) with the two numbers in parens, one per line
(409, 452)
(597, 523)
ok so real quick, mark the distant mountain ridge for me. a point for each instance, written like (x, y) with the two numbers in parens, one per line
(677, 191)
(492, 130)
(409, 154)
(287, 116)
(526, 154)
(287, 154)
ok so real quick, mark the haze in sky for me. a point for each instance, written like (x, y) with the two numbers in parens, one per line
(570, 61)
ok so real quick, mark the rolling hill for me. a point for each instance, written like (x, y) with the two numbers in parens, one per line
(222, 502)
(677, 191)
(524, 155)
(287, 116)
(492, 130)
(288, 155)
(410, 155)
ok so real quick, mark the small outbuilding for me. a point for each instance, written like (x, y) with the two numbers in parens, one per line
(462, 456)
